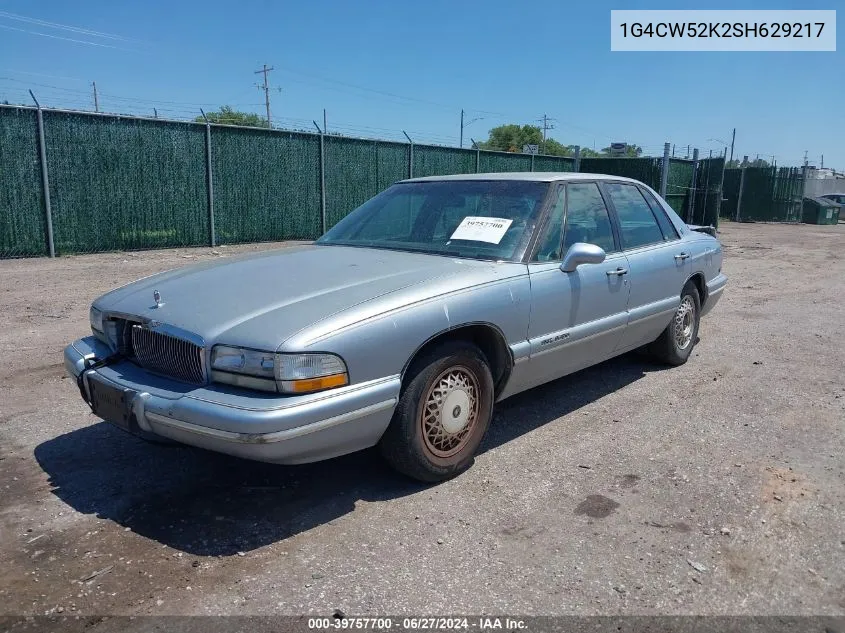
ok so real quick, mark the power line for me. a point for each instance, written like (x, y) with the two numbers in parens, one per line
(66, 27)
(67, 39)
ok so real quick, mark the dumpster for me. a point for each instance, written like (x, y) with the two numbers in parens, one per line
(820, 211)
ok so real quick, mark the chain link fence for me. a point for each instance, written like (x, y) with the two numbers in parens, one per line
(128, 183)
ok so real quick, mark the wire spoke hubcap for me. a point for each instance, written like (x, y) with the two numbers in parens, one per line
(450, 411)
(684, 322)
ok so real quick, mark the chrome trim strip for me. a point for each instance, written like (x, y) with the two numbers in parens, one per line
(277, 436)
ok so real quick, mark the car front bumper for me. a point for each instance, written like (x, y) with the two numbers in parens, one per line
(252, 425)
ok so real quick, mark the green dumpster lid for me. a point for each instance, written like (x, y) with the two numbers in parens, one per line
(824, 202)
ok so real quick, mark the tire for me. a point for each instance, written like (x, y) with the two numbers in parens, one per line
(675, 344)
(441, 444)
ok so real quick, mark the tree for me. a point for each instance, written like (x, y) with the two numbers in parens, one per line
(631, 151)
(230, 116)
(512, 138)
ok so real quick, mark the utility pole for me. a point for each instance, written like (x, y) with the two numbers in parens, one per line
(733, 138)
(822, 163)
(96, 101)
(546, 126)
(264, 71)
(465, 123)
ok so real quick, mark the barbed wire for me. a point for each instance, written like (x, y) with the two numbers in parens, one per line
(74, 99)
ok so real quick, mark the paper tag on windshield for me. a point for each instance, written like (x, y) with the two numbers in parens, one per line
(490, 230)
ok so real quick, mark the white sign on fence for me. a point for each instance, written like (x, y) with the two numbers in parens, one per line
(530, 149)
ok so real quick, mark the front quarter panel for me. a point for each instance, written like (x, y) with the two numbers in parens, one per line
(379, 338)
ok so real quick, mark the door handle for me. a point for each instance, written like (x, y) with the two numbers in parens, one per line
(682, 256)
(618, 272)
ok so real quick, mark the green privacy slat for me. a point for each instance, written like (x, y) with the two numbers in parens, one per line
(22, 219)
(357, 169)
(266, 185)
(768, 194)
(554, 163)
(645, 170)
(121, 183)
(491, 162)
(438, 161)
(679, 185)
(707, 191)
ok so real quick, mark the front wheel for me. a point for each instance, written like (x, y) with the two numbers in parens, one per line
(675, 344)
(443, 413)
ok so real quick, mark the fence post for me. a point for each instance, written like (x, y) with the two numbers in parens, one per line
(803, 184)
(477, 155)
(323, 225)
(577, 158)
(739, 196)
(45, 178)
(532, 161)
(664, 171)
(410, 155)
(691, 211)
(209, 177)
(721, 187)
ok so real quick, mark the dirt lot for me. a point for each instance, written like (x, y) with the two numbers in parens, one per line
(717, 487)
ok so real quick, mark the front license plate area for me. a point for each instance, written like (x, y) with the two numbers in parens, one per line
(113, 404)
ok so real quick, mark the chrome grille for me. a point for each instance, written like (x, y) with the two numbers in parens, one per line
(167, 355)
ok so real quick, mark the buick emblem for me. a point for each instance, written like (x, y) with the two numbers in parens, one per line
(157, 298)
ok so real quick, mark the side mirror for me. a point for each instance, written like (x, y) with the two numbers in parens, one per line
(582, 253)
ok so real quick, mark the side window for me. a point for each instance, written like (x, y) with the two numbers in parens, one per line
(636, 221)
(549, 250)
(586, 217)
(669, 231)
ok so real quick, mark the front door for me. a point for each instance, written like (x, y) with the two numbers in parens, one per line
(577, 318)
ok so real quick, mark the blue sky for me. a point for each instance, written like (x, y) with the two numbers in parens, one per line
(381, 66)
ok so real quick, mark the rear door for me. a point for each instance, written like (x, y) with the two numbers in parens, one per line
(577, 318)
(658, 263)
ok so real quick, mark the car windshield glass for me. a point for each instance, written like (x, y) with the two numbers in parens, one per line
(491, 219)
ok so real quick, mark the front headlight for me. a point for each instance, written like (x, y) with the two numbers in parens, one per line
(268, 371)
(242, 361)
(303, 373)
(95, 316)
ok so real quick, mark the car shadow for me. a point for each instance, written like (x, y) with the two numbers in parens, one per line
(207, 504)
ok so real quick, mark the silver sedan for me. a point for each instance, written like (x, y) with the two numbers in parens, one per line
(404, 323)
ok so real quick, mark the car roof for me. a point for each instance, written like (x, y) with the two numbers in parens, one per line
(535, 176)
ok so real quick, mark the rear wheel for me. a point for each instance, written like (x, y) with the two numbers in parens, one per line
(443, 413)
(675, 344)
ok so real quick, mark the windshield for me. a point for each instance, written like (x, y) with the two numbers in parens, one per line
(491, 219)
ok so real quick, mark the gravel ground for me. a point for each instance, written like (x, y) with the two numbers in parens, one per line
(713, 488)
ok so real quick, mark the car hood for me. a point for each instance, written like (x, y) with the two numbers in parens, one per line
(262, 299)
